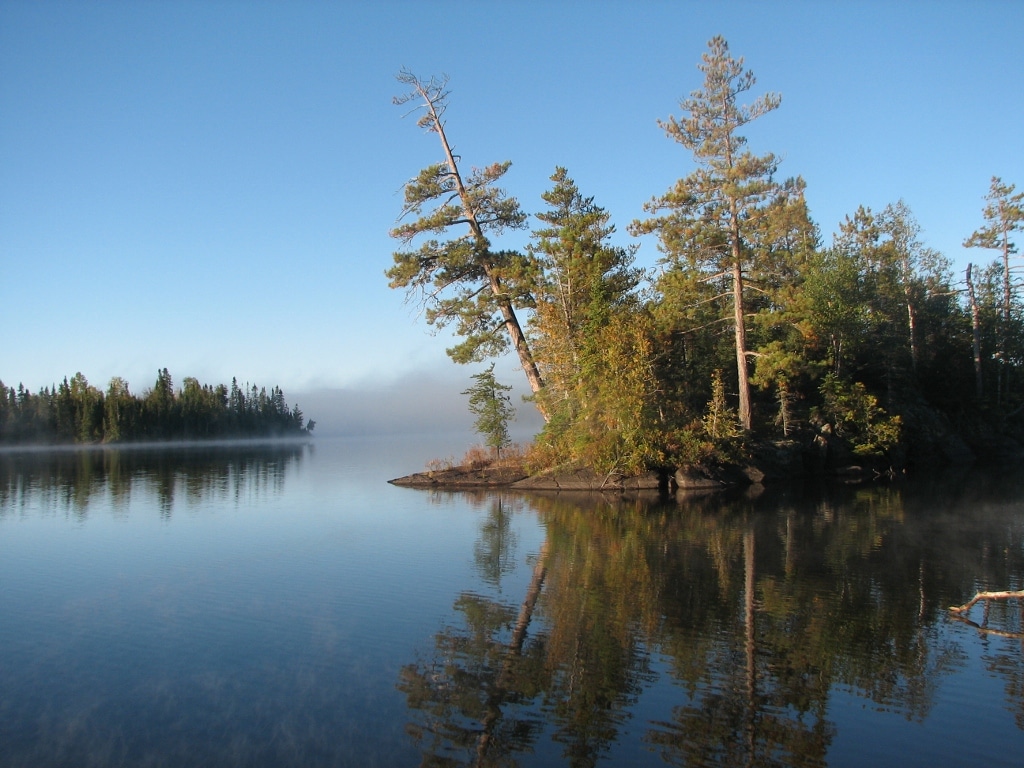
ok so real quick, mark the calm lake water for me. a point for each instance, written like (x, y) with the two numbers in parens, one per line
(284, 606)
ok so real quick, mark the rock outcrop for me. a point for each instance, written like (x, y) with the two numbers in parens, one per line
(589, 480)
(463, 477)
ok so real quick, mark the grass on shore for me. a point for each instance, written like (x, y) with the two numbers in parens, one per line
(481, 457)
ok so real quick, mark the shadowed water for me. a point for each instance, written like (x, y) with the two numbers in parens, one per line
(265, 605)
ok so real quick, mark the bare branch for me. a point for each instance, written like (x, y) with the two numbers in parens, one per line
(1008, 595)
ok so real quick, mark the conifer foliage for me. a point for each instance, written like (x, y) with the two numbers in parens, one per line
(706, 221)
(461, 278)
(1004, 215)
(751, 328)
(76, 412)
(590, 334)
(493, 409)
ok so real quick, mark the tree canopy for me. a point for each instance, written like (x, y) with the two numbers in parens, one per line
(461, 278)
(76, 412)
(751, 329)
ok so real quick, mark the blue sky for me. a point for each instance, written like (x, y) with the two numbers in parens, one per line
(208, 186)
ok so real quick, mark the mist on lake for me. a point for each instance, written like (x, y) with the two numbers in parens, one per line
(416, 403)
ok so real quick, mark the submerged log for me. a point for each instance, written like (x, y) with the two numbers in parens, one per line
(1006, 595)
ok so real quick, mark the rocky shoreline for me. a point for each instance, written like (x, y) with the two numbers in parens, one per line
(517, 478)
(768, 463)
(783, 461)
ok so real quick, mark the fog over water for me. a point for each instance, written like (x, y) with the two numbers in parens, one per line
(415, 403)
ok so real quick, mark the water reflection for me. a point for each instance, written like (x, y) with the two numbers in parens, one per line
(495, 550)
(757, 611)
(70, 481)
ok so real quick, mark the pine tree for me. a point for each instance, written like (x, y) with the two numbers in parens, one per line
(581, 280)
(708, 219)
(590, 336)
(462, 279)
(1004, 215)
(492, 408)
(119, 412)
(899, 276)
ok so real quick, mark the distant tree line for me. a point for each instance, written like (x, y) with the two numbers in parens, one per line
(751, 328)
(76, 412)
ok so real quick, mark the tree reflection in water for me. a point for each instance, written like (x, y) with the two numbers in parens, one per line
(68, 480)
(493, 685)
(762, 607)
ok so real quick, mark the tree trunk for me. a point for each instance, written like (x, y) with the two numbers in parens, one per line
(975, 334)
(513, 653)
(515, 332)
(1007, 295)
(912, 328)
(741, 341)
(739, 311)
(911, 313)
(508, 312)
(1004, 341)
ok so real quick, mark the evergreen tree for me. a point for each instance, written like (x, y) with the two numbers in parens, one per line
(159, 407)
(461, 279)
(785, 242)
(589, 334)
(899, 275)
(708, 219)
(118, 412)
(76, 412)
(580, 281)
(197, 414)
(492, 408)
(7, 411)
(88, 410)
(833, 308)
(64, 413)
(1004, 215)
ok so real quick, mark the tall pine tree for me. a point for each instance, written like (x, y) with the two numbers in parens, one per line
(706, 221)
(461, 279)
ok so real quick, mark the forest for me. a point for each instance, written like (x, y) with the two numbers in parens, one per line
(751, 330)
(76, 412)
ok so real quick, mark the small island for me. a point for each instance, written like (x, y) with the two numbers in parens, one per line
(754, 350)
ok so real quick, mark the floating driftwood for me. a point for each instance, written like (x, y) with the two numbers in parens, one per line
(986, 596)
(958, 612)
